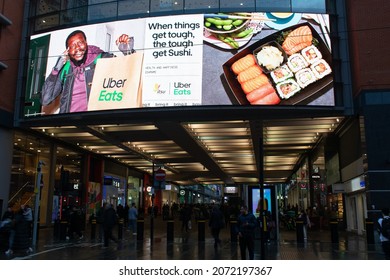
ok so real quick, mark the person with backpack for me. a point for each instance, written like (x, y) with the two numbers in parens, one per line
(71, 77)
(384, 232)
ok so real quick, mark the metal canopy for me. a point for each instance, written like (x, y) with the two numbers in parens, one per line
(197, 145)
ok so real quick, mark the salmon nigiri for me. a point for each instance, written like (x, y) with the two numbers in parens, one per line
(297, 40)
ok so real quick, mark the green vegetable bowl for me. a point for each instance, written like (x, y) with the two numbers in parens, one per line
(219, 24)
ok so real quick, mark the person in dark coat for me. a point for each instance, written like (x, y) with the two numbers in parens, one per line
(99, 220)
(110, 219)
(185, 217)
(247, 224)
(9, 214)
(75, 223)
(19, 238)
(216, 223)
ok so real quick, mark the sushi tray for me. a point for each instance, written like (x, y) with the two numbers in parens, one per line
(289, 67)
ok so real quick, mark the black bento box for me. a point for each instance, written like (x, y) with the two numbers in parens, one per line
(306, 95)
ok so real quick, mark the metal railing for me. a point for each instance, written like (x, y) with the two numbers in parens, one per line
(18, 192)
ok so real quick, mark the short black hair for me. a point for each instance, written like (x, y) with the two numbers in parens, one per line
(385, 211)
(72, 34)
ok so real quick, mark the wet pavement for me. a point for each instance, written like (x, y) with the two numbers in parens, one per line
(191, 245)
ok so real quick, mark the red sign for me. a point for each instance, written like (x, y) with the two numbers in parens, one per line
(159, 174)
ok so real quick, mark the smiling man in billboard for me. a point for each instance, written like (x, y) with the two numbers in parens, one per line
(71, 78)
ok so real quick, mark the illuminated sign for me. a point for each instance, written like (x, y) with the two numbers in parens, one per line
(184, 60)
(256, 206)
(230, 190)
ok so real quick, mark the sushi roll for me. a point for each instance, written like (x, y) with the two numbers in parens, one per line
(287, 88)
(282, 73)
(311, 54)
(305, 77)
(296, 62)
(321, 68)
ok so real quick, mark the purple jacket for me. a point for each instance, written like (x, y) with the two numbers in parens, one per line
(64, 81)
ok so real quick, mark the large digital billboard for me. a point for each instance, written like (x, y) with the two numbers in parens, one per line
(262, 59)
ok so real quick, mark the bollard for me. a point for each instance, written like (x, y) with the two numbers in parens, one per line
(63, 228)
(370, 231)
(299, 229)
(334, 233)
(140, 229)
(120, 228)
(93, 229)
(170, 230)
(56, 229)
(201, 230)
(233, 231)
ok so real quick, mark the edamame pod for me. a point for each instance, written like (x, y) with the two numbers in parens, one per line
(237, 22)
(229, 40)
(219, 22)
(227, 27)
(244, 33)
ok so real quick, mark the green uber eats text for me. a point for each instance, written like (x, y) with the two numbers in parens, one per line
(109, 95)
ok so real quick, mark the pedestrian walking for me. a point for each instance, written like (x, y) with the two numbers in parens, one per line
(246, 224)
(110, 219)
(384, 232)
(216, 223)
(99, 221)
(133, 215)
(185, 217)
(19, 238)
(75, 224)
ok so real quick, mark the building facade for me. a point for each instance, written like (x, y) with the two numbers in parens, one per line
(347, 171)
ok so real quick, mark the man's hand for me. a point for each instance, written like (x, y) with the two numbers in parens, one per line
(62, 60)
(125, 44)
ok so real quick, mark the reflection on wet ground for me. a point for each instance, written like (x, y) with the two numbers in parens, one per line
(186, 246)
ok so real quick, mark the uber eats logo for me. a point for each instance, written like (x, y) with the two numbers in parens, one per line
(109, 93)
(180, 88)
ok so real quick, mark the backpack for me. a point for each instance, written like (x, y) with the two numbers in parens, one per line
(385, 228)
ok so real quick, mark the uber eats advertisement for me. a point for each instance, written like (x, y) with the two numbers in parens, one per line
(249, 59)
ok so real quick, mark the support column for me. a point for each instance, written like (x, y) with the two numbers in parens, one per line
(6, 144)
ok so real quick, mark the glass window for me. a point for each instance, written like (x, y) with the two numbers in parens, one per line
(132, 7)
(243, 5)
(70, 4)
(27, 152)
(77, 15)
(46, 22)
(312, 6)
(48, 6)
(274, 5)
(164, 6)
(202, 6)
(102, 11)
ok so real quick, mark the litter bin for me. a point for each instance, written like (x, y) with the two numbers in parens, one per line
(56, 229)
